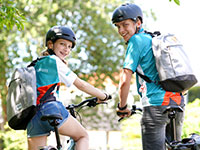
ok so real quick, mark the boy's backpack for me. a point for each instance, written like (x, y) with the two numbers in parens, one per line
(22, 96)
(172, 63)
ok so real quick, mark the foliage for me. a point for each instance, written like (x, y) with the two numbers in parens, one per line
(136, 98)
(176, 1)
(13, 140)
(193, 93)
(192, 120)
(131, 132)
(18, 47)
(10, 15)
(99, 50)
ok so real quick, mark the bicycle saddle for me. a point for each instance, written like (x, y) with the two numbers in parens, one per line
(173, 108)
(51, 117)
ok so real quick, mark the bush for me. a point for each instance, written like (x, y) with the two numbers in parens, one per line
(131, 133)
(193, 93)
(192, 119)
(13, 139)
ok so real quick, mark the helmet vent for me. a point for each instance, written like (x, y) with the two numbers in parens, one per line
(120, 16)
(66, 34)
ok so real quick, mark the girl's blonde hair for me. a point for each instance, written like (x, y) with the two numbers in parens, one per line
(45, 53)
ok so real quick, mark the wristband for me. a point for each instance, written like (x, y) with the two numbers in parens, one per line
(121, 108)
(104, 98)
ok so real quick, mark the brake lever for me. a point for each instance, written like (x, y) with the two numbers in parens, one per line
(94, 103)
(133, 111)
(121, 113)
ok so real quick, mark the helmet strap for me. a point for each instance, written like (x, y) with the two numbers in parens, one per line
(137, 29)
(50, 51)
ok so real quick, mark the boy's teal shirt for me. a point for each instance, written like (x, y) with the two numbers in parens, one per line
(139, 56)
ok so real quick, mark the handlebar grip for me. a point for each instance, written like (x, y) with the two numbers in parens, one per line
(122, 113)
(133, 111)
(109, 97)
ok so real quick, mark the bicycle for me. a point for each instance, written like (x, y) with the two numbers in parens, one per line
(192, 143)
(52, 119)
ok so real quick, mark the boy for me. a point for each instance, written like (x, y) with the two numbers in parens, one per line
(128, 19)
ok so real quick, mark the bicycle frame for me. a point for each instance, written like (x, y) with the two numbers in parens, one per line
(92, 102)
(171, 110)
(52, 119)
(173, 144)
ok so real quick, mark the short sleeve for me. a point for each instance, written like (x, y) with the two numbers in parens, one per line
(65, 74)
(132, 55)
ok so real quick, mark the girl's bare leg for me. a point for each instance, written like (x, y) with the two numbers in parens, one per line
(35, 142)
(76, 131)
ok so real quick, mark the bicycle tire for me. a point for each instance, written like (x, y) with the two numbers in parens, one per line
(71, 145)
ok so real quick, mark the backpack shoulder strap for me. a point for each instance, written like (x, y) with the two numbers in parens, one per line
(153, 34)
(35, 61)
(144, 77)
(48, 93)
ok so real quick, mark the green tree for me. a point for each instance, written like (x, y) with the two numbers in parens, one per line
(10, 17)
(18, 46)
(99, 49)
(176, 1)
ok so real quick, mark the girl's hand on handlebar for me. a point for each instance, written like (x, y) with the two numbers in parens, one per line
(105, 99)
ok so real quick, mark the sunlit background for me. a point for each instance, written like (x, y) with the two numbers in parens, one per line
(182, 20)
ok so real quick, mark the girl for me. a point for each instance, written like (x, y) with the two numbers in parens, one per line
(51, 70)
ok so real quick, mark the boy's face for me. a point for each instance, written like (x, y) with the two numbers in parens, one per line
(126, 28)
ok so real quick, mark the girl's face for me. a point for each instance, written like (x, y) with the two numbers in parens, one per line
(126, 28)
(62, 48)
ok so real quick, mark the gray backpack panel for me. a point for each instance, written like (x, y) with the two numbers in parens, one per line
(172, 63)
(21, 99)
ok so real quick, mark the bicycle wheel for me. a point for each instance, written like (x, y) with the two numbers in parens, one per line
(47, 148)
(71, 143)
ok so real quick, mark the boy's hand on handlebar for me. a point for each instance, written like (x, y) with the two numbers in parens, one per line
(124, 113)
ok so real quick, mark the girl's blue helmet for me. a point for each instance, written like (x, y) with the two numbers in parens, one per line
(61, 32)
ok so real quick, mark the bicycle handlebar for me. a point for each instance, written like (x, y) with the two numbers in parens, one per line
(134, 110)
(91, 102)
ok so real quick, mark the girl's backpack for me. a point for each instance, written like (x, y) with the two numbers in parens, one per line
(21, 99)
(22, 96)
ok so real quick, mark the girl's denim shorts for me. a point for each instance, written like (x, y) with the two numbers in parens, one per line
(37, 127)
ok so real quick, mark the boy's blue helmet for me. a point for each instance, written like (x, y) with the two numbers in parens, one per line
(61, 32)
(127, 11)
